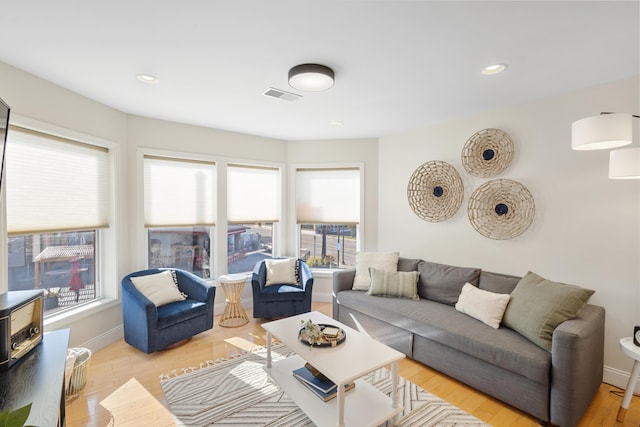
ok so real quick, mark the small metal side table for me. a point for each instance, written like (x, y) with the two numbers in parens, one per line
(234, 314)
(633, 351)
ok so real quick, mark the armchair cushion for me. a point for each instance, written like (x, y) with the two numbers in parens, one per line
(160, 288)
(281, 271)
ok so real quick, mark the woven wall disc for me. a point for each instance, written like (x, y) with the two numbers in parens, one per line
(435, 191)
(487, 153)
(501, 209)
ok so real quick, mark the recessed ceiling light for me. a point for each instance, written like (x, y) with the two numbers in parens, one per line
(335, 123)
(147, 78)
(494, 69)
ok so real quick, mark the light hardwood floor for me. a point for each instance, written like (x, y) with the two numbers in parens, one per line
(123, 388)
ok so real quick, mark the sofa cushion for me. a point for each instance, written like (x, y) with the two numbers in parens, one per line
(281, 271)
(443, 283)
(159, 288)
(487, 307)
(539, 305)
(408, 264)
(497, 282)
(401, 284)
(444, 325)
(387, 261)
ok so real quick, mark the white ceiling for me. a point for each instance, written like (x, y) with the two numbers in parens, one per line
(399, 64)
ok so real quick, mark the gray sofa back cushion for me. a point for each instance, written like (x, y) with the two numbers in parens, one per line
(497, 282)
(408, 264)
(443, 283)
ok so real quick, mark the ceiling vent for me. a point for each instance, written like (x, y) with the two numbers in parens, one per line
(281, 94)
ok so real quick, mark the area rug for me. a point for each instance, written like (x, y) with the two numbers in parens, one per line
(238, 392)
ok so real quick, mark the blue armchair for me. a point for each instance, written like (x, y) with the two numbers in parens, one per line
(281, 300)
(150, 328)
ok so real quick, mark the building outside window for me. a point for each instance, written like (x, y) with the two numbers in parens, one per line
(179, 213)
(328, 215)
(57, 206)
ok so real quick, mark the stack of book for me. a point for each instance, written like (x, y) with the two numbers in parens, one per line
(325, 389)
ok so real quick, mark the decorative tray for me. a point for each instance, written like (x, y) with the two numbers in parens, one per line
(325, 341)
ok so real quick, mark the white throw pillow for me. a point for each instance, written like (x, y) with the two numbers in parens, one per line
(281, 271)
(159, 288)
(385, 261)
(487, 307)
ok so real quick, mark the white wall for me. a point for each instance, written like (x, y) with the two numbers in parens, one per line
(586, 230)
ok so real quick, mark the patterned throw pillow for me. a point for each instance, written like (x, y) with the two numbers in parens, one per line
(403, 284)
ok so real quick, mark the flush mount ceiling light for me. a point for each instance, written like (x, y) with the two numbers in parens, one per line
(608, 130)
(311, 77)
(147, 78)
(494, 69)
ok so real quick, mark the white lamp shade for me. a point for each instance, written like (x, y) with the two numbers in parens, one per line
(602, 132)
(624, 163)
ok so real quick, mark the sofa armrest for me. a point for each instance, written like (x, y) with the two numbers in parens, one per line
(342, 281)
(577, 359)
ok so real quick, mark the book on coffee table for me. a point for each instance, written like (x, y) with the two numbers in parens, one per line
(323, 385)
(328, 395)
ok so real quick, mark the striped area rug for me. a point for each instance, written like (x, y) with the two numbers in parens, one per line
(238, 392)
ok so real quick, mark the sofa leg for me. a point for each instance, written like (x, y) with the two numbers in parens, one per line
(543, 423)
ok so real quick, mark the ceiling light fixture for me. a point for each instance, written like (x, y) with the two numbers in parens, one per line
(147, 78)
(311, 77)
(494, 69)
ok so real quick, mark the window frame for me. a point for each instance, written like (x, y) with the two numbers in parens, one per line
(295, 228)
(106, 262)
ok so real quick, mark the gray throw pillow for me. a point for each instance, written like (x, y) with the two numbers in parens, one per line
(443, 283)
(539, 305)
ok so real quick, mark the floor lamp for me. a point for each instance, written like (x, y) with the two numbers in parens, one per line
(608, 131)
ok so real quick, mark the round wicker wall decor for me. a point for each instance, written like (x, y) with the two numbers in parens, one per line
(487, 153)
(435, 191)
(501, 209)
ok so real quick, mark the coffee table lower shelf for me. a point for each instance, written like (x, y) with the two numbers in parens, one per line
(364, 405)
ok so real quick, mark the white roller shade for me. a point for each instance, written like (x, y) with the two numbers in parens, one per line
(178, 192)
(253, 194)
(328, 196)
(55, 184)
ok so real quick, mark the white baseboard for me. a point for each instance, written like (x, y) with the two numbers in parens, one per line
(618, 378)
(103, 340)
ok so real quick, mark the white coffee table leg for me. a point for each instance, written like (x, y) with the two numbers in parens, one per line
(340, 398)
(268, 349)
(628, 394)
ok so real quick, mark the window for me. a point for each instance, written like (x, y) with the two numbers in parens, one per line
(253, 211)
(328, 215)
(58, 193)
(179, 213)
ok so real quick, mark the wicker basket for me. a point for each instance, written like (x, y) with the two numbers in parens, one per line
(79, 373)
(487, 153)
(435, 191)
(501, 209)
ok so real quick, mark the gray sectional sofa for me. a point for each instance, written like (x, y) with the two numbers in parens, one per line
(554, 386)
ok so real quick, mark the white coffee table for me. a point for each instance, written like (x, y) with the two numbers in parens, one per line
(347, 362)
